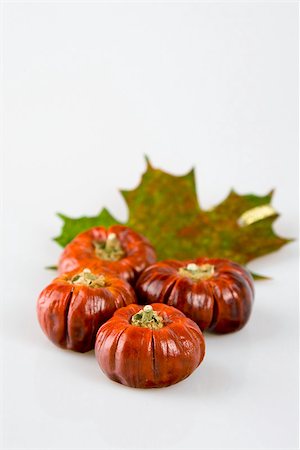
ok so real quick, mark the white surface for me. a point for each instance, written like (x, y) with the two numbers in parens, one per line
(88, 89)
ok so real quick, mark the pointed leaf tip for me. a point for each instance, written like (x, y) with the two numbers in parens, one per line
(271, 193)
(51, 268)
(124, 193)
(61, 216)
(192, 174)
(259, 277)
(148, 163)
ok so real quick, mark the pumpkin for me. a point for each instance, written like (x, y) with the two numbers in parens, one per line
(72, 308)
(154, 347)
(118, 249)
(216, 293)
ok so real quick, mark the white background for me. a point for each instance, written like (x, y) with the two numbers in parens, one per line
(88, 89)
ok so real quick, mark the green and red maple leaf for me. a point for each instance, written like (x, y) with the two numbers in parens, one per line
(165, 209)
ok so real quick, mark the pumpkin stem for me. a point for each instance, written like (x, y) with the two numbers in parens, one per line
(196, 272)
(147, 318)
(109, 250)
(87, 278)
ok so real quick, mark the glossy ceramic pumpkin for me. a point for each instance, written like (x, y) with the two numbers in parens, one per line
(216, 293)
(72, 308)
(155, 352)
(118, 249)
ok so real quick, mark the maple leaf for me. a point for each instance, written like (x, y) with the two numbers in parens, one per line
(165, 208)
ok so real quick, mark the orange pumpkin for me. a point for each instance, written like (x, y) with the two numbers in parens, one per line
(155, 347)
(72, 308)
(118, 249)
(217, 294)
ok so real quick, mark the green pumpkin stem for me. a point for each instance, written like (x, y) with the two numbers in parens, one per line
(147, 318)
(109, 250)
(195, 272)
(87, 278)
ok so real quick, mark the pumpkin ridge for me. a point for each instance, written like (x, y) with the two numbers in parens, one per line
(242, 283)
(178, 280)
(210, 285)
(195, 334)
(175, 339)
(178, 342)
(66, 315)
(168, 292)
(115, 350)
(215, 309)
(154, 367)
